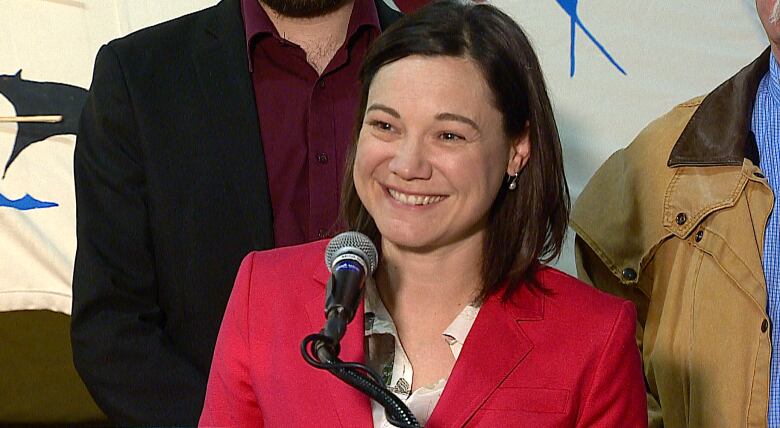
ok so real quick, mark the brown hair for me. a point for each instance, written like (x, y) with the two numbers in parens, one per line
(526, 227)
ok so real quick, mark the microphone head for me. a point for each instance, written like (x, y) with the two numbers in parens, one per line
(355, 244)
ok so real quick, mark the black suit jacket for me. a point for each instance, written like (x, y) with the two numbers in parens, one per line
(171, 193)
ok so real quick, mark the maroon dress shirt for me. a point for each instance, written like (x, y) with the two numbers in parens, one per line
(306, 120)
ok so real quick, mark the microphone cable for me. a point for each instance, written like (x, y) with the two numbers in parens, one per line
(319, 351)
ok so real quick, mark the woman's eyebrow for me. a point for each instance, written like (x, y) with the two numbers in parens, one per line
(440, 116)
(457, 118)
(385, 109)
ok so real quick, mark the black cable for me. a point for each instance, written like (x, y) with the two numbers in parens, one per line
(361, 377)
(395, 409)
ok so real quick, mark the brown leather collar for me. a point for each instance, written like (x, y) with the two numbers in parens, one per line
(719, 132)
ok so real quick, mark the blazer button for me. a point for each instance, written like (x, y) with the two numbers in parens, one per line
(699, 235)
(681, 219)
(764, 326)
(322, 157)
(629, 274)
(758, 174)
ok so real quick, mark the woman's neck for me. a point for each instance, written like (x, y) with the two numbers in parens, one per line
(424, 291)
(440, 281)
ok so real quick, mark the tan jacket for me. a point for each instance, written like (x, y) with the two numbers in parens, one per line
(675, 222)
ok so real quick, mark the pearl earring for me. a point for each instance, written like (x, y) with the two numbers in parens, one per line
(513, 181)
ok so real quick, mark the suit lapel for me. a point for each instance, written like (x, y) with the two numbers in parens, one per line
(352, 406)
(234, 150)
(386, 15)
(495, 345)
(221, 67)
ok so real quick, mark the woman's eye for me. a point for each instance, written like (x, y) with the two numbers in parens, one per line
(450, 136)
(382, 126)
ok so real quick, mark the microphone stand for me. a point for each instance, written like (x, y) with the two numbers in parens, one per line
(321, 351)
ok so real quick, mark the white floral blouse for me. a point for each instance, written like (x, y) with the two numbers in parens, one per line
(385, 354)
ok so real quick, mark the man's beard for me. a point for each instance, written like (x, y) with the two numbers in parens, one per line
(304, 8)
(775, 16)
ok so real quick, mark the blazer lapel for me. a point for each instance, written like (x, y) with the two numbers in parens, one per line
(234, 150)
(222, 71)
(495, 345)
(352, 406)
(386, 15)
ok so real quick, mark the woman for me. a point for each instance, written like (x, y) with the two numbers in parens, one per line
(456, 175)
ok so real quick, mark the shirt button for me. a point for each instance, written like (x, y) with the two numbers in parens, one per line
(764, 326)
(322, 157)
(681, 219)
(629, 274)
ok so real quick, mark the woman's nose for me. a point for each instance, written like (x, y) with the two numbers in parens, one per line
(410, 160)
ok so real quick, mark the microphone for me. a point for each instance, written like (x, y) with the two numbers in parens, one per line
(350, 257)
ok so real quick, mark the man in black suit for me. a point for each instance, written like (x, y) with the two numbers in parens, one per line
(202, 138)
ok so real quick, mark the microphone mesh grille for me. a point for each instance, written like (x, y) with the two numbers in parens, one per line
(354, 243)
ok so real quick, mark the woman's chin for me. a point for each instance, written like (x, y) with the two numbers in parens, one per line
(408, 237)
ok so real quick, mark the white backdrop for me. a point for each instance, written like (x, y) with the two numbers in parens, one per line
(670, 51)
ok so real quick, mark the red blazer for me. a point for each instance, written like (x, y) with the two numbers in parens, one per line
(567, 358)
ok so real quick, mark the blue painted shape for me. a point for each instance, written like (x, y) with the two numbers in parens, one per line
(25, 203)
(570, 7)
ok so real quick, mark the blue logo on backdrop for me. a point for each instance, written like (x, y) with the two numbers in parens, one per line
(30, 98)
(25, 203)
(570, 7)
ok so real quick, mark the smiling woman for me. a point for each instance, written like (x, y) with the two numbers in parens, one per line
(428, 161)
(461, 97)
(455, 173)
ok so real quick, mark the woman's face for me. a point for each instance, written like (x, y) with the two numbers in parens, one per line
(432, 154)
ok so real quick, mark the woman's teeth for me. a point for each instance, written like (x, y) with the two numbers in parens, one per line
(414, 199)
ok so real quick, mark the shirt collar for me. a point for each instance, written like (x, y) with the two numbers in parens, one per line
(457, 331)
(379, 321)
(377, 318)
(774, 77)
(257, 23)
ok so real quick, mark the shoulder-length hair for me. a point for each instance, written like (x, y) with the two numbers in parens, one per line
(526, 226)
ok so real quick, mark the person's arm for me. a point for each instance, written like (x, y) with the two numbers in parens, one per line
(119, 348)
(616, 397)
(230, 399)
(591, 270)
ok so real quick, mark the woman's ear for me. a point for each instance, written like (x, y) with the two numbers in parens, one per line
(519, 151)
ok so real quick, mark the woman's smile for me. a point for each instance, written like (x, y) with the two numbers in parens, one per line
(414, 199)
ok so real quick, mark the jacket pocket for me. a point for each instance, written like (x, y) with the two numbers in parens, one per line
(537, 400)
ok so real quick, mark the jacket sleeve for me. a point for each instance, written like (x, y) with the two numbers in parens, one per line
(616, 396)
(230, 398)
(591, 270)
(128, 363)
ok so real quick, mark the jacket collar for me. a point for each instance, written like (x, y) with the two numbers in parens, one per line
(719, 132)
(498, 322)
(387, 16)
(218, 57)
(494, 348)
